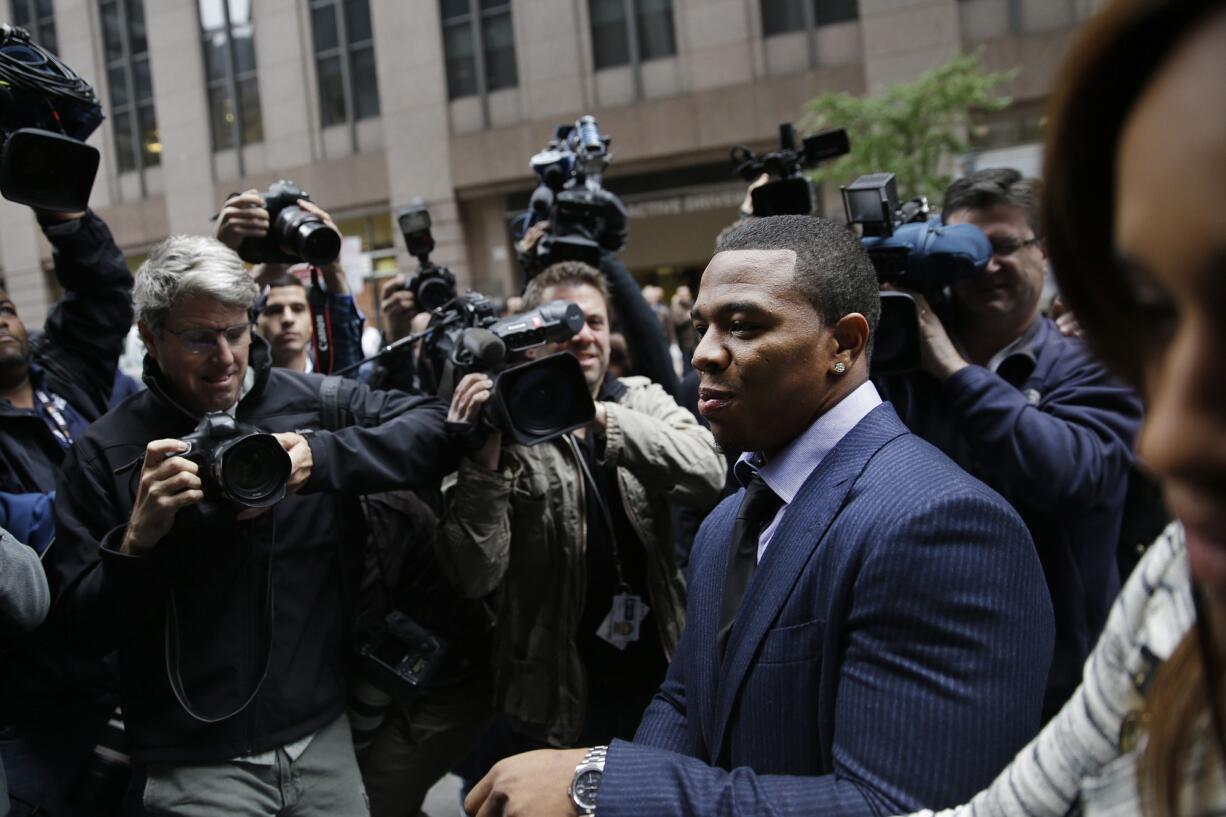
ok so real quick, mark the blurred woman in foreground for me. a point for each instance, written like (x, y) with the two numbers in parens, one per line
(1135, 182)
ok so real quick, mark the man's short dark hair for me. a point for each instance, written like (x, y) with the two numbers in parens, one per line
(832, 268)
(281, 279)
(284, 279)
(565, 273)
(995, 185)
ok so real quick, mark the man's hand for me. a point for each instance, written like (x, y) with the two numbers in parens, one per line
(167, 483)
(334, 274)
(938, 355)
(534, 784)
(399, 307)
(300, 459)
(1065, 320)
(472, 392)
(747, 203)
(242, 216)
(531, 236)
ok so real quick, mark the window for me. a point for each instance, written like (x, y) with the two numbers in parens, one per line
(344, 60)
(782, 16)
(38, 18)
(229, 70)
(474, 69)
(133, 121)
(622, 28)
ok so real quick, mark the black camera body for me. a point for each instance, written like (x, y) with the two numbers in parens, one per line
(240, 465)
(789, 192)
(585, 220)
(912, 250)
(432, 286)
(46, 113)
(399, 656)
(294, 234)
(531, 401)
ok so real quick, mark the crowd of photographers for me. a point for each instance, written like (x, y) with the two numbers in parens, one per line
(834, 532)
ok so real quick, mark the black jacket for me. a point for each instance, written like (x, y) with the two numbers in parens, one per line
(76, 354)
(217, 581)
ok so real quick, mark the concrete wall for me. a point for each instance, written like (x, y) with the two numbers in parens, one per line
(726, 84)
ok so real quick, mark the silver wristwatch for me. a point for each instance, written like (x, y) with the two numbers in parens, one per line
(586, 781)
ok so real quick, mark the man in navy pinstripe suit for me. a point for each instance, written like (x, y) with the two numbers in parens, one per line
(891, 644)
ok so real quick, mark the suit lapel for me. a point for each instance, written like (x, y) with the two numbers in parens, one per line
(802, 529)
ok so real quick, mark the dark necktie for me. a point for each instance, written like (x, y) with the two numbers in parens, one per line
(758, 508)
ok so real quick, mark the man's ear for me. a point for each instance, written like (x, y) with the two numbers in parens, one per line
(146, 336)
(850, 338)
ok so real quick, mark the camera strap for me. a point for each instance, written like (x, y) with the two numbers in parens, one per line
(321, 324)
(590, 481)
(173, 650)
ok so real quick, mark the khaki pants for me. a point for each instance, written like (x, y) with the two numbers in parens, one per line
(323, 782)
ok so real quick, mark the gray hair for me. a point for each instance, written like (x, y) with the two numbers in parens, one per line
(190, 265)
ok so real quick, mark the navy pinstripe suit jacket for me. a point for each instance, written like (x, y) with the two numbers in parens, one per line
(890, 654)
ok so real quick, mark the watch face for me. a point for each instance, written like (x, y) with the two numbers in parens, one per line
(585, 788)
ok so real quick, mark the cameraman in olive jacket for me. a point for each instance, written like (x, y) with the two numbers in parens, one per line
(572, 538)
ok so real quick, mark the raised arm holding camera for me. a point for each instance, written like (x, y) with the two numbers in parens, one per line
(1028, 410)
(311, 327)
(201, 531)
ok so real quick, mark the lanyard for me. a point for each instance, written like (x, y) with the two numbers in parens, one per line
(60, 428)
(623, 586)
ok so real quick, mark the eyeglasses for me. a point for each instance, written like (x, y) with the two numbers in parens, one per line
(1004, 246)
(203, 340)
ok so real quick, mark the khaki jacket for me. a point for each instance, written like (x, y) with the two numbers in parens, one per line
(519, 533)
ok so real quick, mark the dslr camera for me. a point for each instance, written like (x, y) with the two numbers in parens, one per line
(240, 465)
(432, 286)
(789, 192)
(46, 113)
(294, 234)
(584, 218)
(910, 249)
(532, 401)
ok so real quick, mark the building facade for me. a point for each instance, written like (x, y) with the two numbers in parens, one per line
(368, 104)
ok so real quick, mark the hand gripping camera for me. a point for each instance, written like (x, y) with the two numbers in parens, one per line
(294, 234)
(239, 464)
(533, 401)
(789, 192)
(584, 218)
(913, 250)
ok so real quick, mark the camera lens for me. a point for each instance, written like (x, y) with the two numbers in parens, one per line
(304, 235)
(536, 403)
(433, 293)
(254, 470)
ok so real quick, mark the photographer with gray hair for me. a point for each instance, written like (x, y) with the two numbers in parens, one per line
(221, 566)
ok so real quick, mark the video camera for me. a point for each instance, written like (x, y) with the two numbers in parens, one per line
(910, 249)
(433, 286)
(294, 234)
(46, 113)
(239, 464)
(584, 218)
(533, 401)
(790, 193)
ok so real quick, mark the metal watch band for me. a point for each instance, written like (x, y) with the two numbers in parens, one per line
(596, 755)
